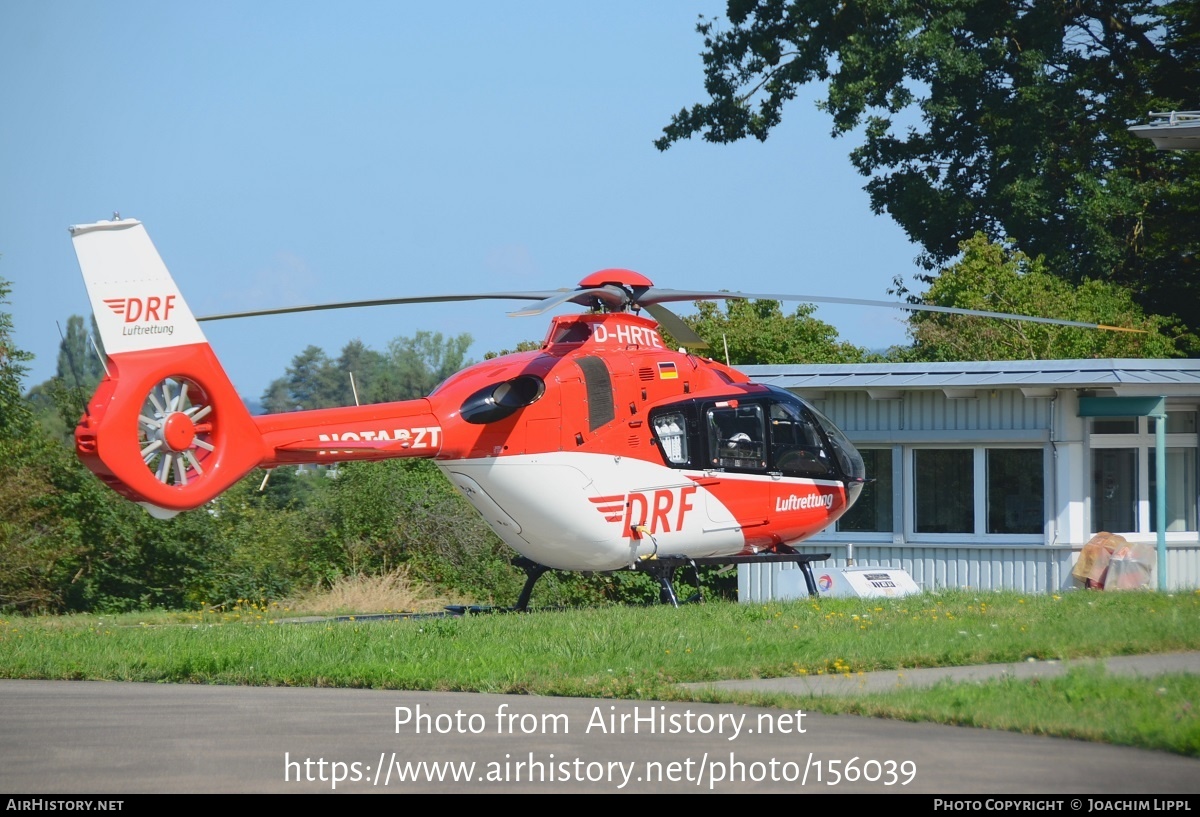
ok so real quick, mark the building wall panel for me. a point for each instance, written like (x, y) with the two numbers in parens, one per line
(1036, 569)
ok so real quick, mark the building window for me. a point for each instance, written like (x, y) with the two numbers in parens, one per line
(1114, 489)
(1178, 422)
(967, 495)
(873, 510)
(1181, 489)
(979, 491)
(1114, 425)
(1015, 499)
(1124, 480)
(944, 490)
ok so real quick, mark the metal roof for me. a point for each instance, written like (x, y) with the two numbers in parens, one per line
(1174, 377)
(1172, 130)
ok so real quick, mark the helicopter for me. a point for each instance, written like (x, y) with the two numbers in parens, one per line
(602, 450)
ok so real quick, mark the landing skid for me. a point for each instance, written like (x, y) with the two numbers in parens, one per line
(662, 569)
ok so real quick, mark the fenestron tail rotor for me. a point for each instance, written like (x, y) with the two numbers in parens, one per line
(175, 430)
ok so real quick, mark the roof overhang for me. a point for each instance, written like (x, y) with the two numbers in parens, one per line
(1174, 130)
(1041, 378)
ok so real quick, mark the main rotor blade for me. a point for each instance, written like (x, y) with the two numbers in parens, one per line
(615, 297)
(657, 295)
(611, 296)
(674, 324)
(422, 299)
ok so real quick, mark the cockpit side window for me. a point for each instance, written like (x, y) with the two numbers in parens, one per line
(737, 437)
(671, 430)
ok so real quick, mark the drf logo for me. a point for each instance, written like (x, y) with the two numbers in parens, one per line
(660, 511)
(150, 308)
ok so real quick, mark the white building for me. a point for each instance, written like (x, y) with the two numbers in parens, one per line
(992, 475)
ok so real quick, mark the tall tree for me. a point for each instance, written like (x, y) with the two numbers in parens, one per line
(359, 367)
(411, 368)
(15, 415)
(310, 382)
(752, 332)
(78, 363)
(425, 360)
(1006, 117)
(997, 278)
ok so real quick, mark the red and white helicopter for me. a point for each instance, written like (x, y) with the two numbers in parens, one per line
(602, 450)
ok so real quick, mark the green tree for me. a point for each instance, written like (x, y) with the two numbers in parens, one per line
(40, 547)
(363, 365)
(58, 402)
(68, 543)
(312, 380)
(377, 516)
(262, 548)
(411, 368)
(522, 346)
(998, 278)
(423, 361)
(1005, 117)
(759, 332)
(78, 363)
(15, 415)
(276, 399)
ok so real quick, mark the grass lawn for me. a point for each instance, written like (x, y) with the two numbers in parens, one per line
(645, 652)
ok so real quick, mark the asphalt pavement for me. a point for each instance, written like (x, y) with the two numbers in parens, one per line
(114, 739)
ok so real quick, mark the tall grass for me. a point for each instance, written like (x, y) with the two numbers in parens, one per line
(390, 592)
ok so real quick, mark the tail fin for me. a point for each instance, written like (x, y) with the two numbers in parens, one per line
(166, 428)
(137, 304)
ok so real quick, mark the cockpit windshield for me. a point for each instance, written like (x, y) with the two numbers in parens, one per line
(774, 433)
(849, 459)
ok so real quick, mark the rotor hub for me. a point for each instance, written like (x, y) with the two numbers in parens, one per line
(626, 278)
(178, 431)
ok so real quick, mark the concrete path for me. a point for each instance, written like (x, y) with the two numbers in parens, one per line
(1135, 665)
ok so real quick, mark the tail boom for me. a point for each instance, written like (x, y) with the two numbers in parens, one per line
(375, 432)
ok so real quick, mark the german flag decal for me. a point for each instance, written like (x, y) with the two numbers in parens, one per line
(667, 371)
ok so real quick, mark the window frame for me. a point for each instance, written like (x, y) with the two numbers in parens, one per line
(979, 536)
(1142, 442)
(904, 499)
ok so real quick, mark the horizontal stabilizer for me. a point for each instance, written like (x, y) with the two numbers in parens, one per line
(307, 446)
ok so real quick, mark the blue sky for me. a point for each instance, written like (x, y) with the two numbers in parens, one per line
(286, 153)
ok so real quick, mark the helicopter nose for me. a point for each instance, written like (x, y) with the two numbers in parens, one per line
(853, 490)
(854, 470)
